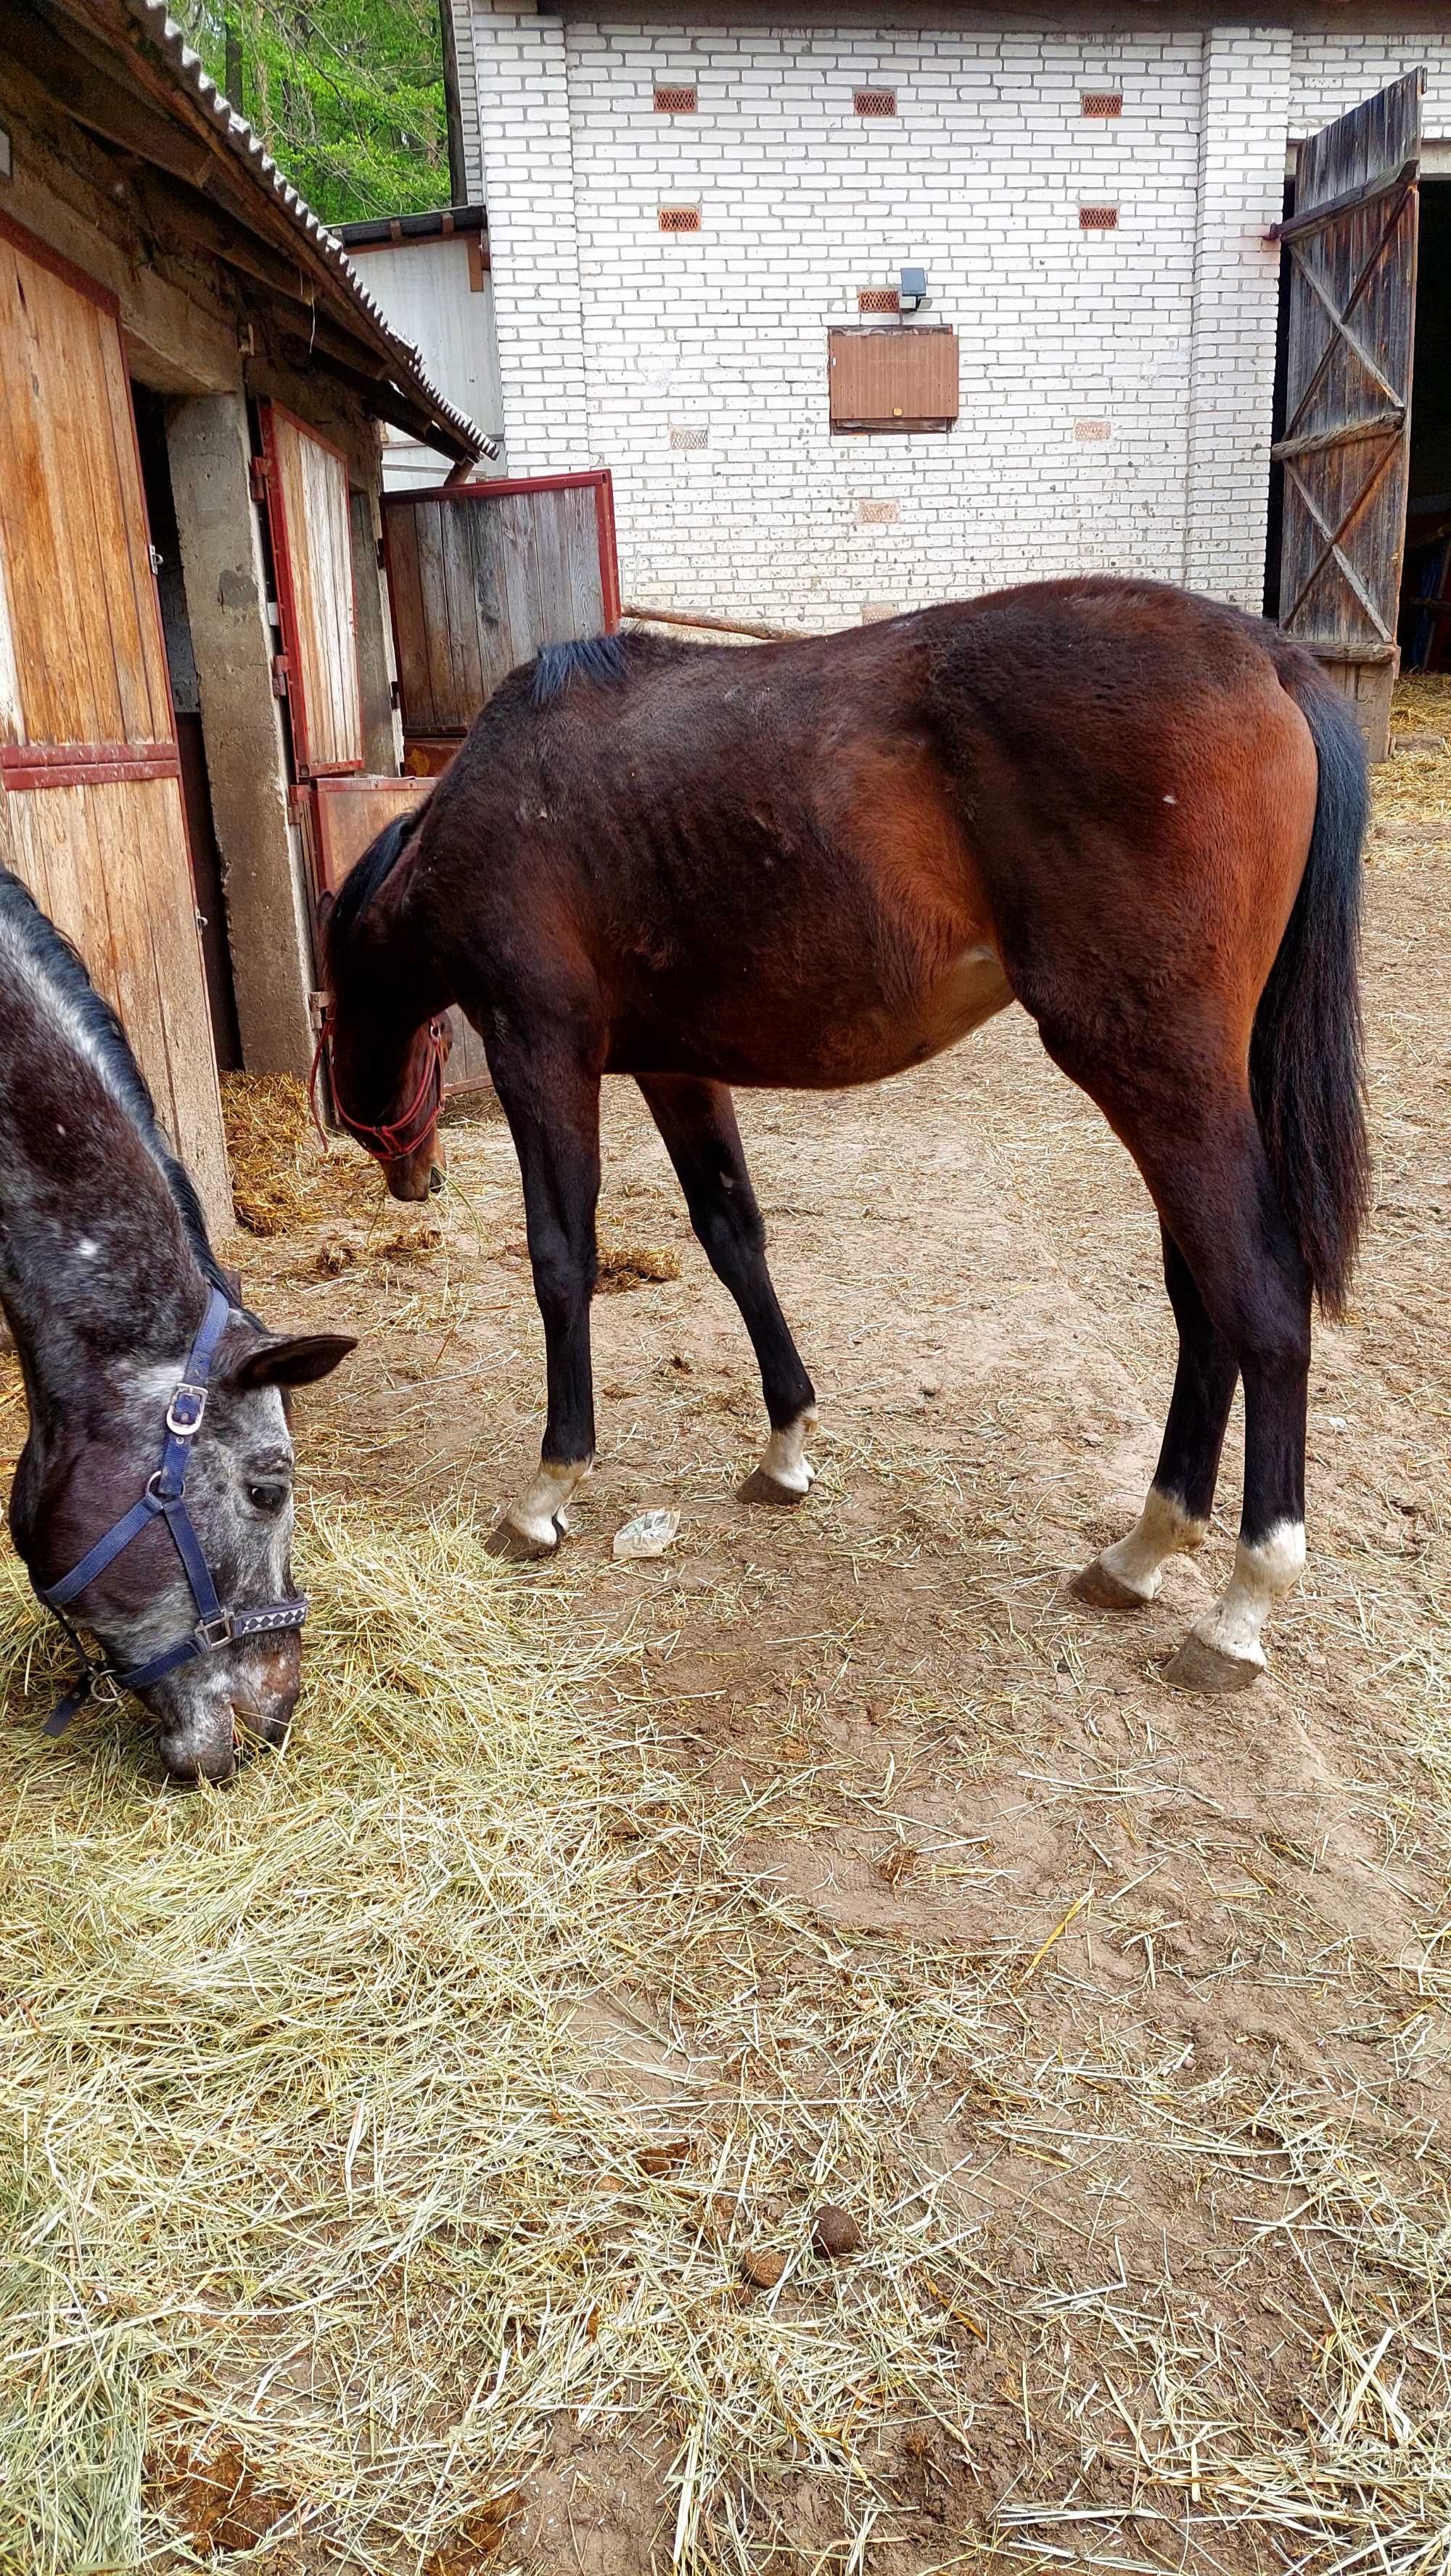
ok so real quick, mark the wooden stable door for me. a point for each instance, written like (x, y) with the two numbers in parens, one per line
(306, 482)
(480, 575)
(91, 813)
(1346, 444)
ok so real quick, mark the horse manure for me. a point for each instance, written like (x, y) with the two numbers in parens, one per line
(762, 2270)
(634, 1265)
(835, 2232)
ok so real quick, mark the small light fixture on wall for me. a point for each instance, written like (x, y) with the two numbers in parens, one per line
(912, 290)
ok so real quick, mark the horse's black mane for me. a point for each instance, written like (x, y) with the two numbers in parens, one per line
(601, 658)
(604, 659)
(365, 876)
(105, 1045)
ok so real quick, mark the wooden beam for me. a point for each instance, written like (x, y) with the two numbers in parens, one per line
(716, 625)
(100, 100)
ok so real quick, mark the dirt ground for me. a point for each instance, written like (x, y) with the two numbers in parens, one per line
(860, 1864)
(1248, 1895)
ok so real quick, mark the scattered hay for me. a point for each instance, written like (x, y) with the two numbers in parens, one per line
(456, 2084)
(282, 1174)
(634, 1265)
(1411, 792)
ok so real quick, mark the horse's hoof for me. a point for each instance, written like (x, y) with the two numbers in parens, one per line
(519, 1547)
(761, 1488)
(1200, 1667)
(1103, 1590)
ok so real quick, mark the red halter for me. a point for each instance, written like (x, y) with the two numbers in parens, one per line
(402, 1135)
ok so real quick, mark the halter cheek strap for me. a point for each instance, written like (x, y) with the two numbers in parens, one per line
(403, 1134)
(165, 1499)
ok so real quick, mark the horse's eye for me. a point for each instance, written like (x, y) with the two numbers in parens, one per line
(267, 1498)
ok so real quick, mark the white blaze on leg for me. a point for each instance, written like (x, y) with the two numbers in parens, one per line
(1163, 1529)
(536, 1512)
(1262, 1575)
(785, 1461)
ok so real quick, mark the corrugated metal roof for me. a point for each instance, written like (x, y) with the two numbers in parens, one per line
(191, 75)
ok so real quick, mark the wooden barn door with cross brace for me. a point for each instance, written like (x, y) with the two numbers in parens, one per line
(1346, 446)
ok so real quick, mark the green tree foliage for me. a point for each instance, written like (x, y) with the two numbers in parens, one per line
(347, 95)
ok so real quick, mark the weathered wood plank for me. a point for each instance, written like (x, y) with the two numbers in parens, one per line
(1346, 445)
(312, 544)
(480, 579)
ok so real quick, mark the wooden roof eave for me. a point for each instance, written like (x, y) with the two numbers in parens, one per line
(101, 73)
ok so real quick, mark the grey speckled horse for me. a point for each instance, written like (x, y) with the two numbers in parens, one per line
(105, 1275)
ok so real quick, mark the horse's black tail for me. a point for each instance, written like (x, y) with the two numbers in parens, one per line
(1306, 1059)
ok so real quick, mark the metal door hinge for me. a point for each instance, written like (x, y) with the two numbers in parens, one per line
(281, 674)
(261, 477)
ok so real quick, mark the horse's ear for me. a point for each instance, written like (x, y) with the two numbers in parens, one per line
(326, 906)
(297, 1359)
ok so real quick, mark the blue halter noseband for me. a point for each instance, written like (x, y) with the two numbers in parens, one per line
(165, 1499)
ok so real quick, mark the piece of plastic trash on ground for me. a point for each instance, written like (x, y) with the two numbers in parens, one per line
(649, 1534)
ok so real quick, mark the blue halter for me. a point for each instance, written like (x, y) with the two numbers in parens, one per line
(165, 1499)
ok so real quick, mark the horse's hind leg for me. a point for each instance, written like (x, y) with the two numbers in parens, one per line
(698, 1123)
(552, 1104)
(1176, 1513)
(1193, 1133)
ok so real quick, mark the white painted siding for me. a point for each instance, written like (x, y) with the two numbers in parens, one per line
(423, 287)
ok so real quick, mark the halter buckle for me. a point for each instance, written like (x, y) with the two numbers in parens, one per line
(185, 1411)
(211, 1633)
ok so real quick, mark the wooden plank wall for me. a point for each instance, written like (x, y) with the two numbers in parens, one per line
(110, 866)
(479, 582)
(84, 688)
(86, 645)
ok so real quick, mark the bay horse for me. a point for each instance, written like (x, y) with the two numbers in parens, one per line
(1135, 812)
(152, 1502)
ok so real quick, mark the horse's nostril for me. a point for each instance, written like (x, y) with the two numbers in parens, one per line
(435, 1180)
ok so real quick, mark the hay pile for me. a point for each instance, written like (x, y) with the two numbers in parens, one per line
(1411, 792)
(282, 1173)
(455, 2090)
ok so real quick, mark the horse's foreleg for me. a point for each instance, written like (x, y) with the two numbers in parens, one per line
(1176, 1513)
(553, 1109)
(698, 1124)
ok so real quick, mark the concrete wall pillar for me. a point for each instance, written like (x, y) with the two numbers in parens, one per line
(1244, 120)
(210, 453)
(522, 88)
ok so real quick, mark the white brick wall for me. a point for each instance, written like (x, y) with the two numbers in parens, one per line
(1331, 73)
(621, 346)
(1244, 105)
(528, 183)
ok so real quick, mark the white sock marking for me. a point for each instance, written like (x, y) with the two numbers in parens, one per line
(785, 1461)
(1163, 1529)
(537, 1510)
(1262, 1574)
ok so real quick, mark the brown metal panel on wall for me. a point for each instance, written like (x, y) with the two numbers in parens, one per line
(1346, 446)
(900, 378)
(480, 575)
(91, 811)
